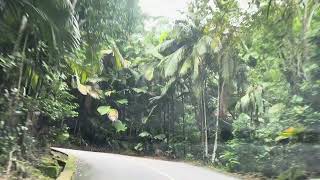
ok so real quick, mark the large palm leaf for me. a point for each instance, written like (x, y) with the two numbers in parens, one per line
(54, 20)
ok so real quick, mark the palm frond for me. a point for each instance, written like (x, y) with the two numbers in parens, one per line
(174, 60)
(169, 47)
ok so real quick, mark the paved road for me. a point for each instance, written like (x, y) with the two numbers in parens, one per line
(105, 166)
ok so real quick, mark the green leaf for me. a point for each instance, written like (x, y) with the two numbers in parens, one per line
(203, 46)
(172, 64)
(145, 134)
(149, 73)
(123, 101)
(104, 110)
(164, 36)
(160, 137)
(139, 147)
(119, 60)
(167, 87)
(119, 126)
(108, 93)
(186, 66)
(196, 68)
(140, 90)
(296, 99)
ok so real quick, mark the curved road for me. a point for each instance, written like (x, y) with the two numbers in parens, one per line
(105, 166)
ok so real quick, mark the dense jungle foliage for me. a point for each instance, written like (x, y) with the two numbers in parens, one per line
(235, 88)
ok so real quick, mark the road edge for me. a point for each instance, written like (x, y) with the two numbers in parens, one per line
(69, 169)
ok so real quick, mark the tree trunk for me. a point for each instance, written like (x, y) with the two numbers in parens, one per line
(173, 116)
(215, 146)
(183, 128)
(205, 123)
(202, 124)
(307, 18)
(23, 26)
(169, 126)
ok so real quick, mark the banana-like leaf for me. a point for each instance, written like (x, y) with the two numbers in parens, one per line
(203, 46)
(169, 47)
(186, 66)
(166, 88)
(173, 61)
(119, 60)
(196, 67)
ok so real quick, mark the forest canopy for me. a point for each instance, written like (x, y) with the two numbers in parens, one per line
(233, 87)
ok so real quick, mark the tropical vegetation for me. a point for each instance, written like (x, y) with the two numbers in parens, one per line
(233, 87)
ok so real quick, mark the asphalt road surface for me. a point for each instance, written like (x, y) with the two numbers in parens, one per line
(105, 166)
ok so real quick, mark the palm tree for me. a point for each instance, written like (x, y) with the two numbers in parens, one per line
(187, 55)
(52, 23)
(191, 53)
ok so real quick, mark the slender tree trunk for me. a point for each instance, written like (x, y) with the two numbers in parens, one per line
(169, 126)
(215, 146)
(163, 117)
(205, 124)
(304, 40)
(183, 128)
(23, 26)
(202, 125)
(173, 115)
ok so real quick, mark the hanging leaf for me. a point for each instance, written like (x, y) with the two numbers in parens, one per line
(166, 88)
(82, 89)
(172, 64)
(186, 66)
(120, 127)
(119, 60)
(168, 47)
(113, 115)
(94, 93)
(149, 73)
(203, 46)
(84, 76)
(104, 110)
(196, 68)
